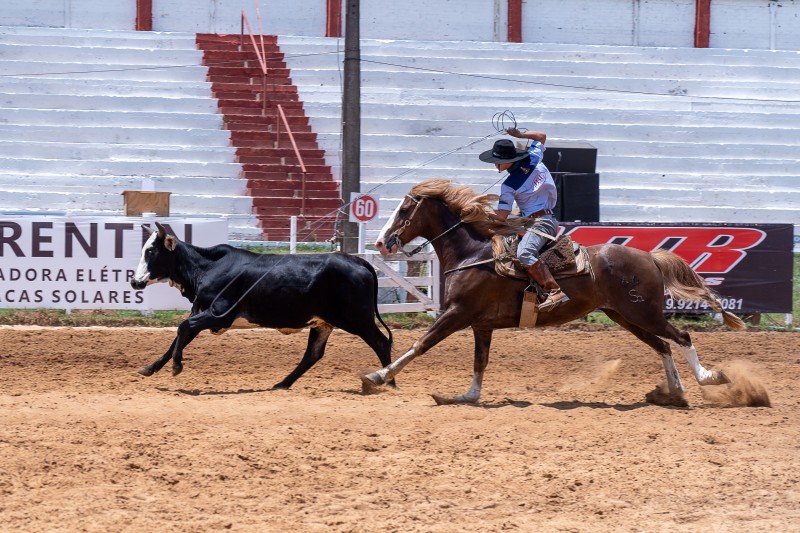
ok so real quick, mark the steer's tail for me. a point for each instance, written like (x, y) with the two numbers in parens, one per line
(684, 283)
(371, 268)
(377, 314)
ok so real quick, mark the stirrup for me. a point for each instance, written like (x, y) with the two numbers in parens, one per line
(550, 303)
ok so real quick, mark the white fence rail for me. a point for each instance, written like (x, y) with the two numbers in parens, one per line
(417, 277)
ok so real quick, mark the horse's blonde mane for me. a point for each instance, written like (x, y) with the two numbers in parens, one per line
(470, 207)
(462, 200)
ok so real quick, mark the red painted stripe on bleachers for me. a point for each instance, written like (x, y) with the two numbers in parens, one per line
(273, 173)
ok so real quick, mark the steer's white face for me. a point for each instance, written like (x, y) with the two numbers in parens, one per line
(141, 278)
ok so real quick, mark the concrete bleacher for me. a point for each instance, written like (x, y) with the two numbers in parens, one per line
(683, 135)
(87, 114)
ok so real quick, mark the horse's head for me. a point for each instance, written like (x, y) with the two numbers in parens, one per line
(403, 222)
(446, 207)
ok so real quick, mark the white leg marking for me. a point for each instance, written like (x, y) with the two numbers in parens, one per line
(701, 374)
(390, 371)
(474, 392)
(673, 378)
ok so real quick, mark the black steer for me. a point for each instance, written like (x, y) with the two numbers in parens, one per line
(286, 292)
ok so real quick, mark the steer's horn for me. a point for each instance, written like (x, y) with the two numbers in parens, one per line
(162, 231)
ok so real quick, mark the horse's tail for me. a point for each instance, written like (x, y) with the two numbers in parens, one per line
(684, 283)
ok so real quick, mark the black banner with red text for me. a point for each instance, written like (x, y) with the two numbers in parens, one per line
(748, 265)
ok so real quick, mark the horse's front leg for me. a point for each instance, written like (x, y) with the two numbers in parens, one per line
(483, 341)
(447, 324)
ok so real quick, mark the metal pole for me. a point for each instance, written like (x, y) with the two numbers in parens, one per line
(351, 121)
(241, 33)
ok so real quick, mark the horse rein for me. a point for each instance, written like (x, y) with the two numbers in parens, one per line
(407, 222)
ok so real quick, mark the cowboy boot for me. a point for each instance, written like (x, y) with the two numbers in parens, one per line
(541, 275)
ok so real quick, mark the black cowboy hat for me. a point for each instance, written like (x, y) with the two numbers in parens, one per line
(503, 151)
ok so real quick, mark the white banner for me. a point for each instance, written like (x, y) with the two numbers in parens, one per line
(87, 262)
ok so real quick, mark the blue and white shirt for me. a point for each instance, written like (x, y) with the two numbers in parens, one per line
(529, 183)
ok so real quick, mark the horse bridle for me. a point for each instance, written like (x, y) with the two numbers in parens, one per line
(407, 222)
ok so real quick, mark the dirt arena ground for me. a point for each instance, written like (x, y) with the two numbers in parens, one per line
(561, 441)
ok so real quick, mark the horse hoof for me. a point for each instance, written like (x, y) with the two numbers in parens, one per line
(445, 400)
(373, 378)
(666, 399)
(177, 370)
(371, 383)
(146, 371)
(721, 378)
(717, 377)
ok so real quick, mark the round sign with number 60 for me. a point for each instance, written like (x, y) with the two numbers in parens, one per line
(363, 207)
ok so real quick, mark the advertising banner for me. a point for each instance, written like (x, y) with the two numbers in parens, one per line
(748, 265)
(87, 262)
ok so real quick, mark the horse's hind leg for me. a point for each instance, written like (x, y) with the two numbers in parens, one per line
(683, 341)
(675, 396)
(701, 373)
(483, 341)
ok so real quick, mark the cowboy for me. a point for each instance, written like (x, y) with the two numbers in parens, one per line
(531, 186)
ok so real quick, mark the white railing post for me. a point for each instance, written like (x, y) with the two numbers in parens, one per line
(397, 278)
(293, 235)
(362, 237)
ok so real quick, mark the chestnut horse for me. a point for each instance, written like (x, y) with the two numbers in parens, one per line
(627, 284)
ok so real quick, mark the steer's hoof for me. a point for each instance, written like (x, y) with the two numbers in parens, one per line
(146, 371)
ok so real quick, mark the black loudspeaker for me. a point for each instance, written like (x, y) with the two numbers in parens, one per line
(578, 196)
(565, 156)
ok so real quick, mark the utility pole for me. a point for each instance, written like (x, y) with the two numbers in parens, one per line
(351, 122)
